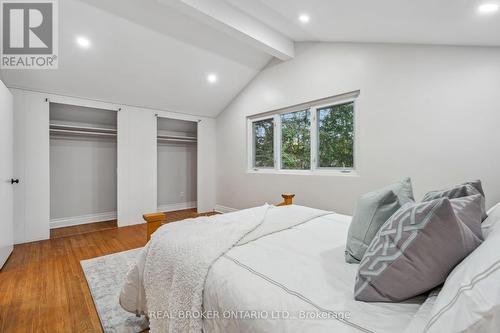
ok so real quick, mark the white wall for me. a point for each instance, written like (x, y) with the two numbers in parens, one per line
(428, 112)
(82, 177)
(176, 176)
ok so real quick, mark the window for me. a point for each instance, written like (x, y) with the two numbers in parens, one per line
(315, 137)
(296, 140)
(336, 136)
(263, 133)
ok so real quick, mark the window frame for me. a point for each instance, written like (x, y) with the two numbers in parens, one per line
(316, 140)
(312, 107)
(280, 139)
(252, 140)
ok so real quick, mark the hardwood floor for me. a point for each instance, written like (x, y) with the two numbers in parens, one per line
(82, 229)
(42, 286)
(98, 226)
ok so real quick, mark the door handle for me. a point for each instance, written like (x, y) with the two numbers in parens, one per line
(14, 181)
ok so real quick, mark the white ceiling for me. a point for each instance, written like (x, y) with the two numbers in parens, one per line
(146, 54)
(157, 53)
(449, 22)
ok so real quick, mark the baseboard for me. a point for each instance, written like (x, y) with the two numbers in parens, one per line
(30, 240)
(83, 219)
(224, 209)
(177, 206)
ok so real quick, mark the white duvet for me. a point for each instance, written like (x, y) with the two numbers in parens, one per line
(295, 280)
(301, 271)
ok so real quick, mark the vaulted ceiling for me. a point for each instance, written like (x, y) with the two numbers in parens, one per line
(158, 53)
(144, 53)
(444, 22)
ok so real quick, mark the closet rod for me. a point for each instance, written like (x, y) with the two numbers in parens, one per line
(176, 140)
(177, 137)
(61, 131)
(82, 128)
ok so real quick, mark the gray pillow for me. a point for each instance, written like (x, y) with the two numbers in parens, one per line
(458, 191)
(372, 210)
(416, 249)
(468, 214)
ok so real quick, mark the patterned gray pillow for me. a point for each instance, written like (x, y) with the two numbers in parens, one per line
(372, 210)
(458, 191)
(416, 249)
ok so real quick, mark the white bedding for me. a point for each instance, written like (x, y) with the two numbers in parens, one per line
(288, 271)
(287, 275)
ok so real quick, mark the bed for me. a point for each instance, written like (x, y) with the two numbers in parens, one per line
(301, 271)
(282, 269)
(294, 279)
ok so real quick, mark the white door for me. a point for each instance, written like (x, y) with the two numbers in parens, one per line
(6, 169)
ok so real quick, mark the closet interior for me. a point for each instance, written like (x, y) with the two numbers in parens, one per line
(83, 162)
(177, 164)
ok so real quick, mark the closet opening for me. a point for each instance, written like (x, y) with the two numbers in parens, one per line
(83, 169)
(177, 165)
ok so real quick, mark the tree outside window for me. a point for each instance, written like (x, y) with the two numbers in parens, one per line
(285, 140)
(336, 136)
(296, 140)
(263, 134)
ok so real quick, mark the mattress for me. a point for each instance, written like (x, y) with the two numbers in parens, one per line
(296, 281)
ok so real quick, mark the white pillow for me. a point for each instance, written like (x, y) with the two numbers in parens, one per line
(491, 221)
(420, 318)
(470, 298)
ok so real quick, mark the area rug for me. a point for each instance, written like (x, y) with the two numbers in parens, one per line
(105, 276)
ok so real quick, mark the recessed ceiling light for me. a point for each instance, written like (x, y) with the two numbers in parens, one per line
(488, 8)
(304, 18)
(212, 78)
(83, 42)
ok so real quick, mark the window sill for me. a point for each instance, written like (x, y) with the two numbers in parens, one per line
(317, 172)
